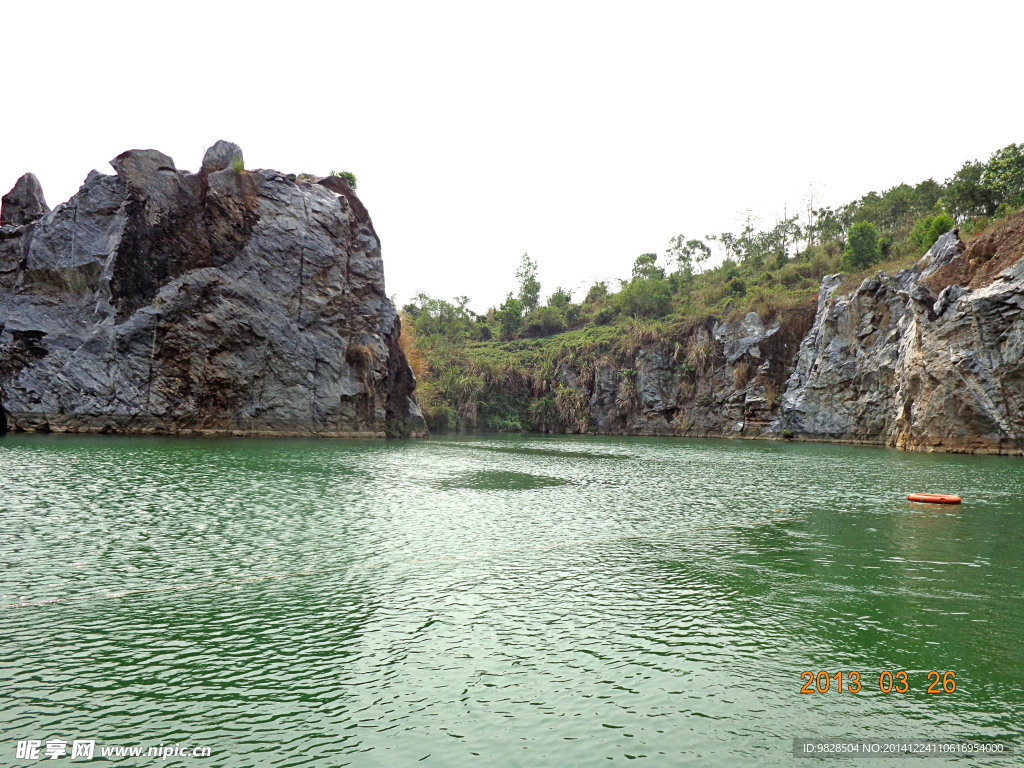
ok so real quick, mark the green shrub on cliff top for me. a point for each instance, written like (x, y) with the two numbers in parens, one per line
(928, 229)
(347, 176)
(862, 247)
(544, 321)
(645, 297)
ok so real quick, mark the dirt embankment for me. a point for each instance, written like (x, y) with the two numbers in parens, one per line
(985, 257)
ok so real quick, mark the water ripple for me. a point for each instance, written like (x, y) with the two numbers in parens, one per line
(509, 601)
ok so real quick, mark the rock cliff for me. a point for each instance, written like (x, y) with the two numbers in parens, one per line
(720, 379)
(220, 302)
(931, 358)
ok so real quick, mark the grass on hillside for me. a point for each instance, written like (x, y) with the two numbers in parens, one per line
(507, 370)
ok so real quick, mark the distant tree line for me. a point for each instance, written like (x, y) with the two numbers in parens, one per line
(764, 269)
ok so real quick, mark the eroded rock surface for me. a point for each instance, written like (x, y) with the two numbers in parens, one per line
(930, 358)
(24, 203)
(722, 379)
(896, 364)
(221, 156)
(226, 302)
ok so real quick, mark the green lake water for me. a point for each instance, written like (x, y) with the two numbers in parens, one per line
(501, 600)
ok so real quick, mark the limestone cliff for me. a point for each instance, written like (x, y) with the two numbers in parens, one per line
(219, 302)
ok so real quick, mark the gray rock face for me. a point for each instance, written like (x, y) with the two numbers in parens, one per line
(221, 156)
(852, 348)
(930, 358)
(24, 203)
(723, 380)
(893, 364)
(158, 301)
(744, 337)
(945, 249)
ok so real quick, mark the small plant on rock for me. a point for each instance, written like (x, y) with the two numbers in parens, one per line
(347, 176)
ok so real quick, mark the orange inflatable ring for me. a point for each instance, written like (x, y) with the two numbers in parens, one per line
(934, 498)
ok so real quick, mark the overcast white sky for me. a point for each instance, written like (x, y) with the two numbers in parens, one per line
(582, 133)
